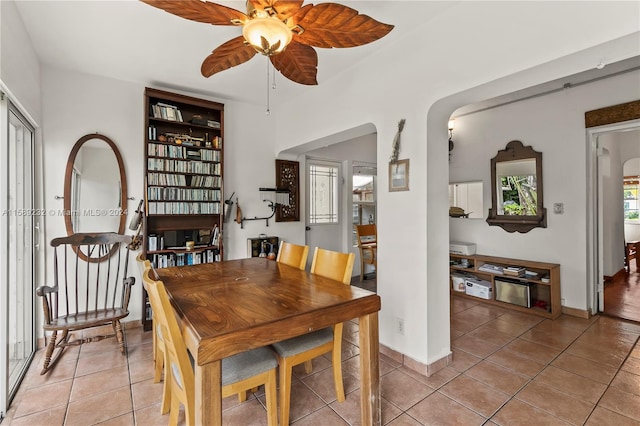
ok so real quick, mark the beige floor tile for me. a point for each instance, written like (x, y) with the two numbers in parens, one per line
(322, 384)
(434, 381)
(150, 416)
(474, 346)
(349, 409)
(462, 360)
(598, 352)
(548, 335)
(404, 420)
(143, 351)
(497, 377)
(43, 398)
(603, 417)
(519, 413)
(516, 362)
(488, 310)
(437, 409)
(64, 369)
(87, 385)
(250, 412)
(324, 416)
(303, 401)
(512, 328)
(632, 365)
(575, 322)
(395, 387)
(572, 384)
(627, 382)
(557, 403)
(52, 416)
(145, 393)
(491, 335)
(124, 420)
(475, 395)
(141, 370)
(535, 351)
(590, 369)
(621, 402)
(99, 408)
(100, 362)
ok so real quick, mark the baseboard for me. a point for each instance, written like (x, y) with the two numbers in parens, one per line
(417, 366)
(580, 313)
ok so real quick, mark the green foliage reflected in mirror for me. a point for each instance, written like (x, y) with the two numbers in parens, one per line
(516, 191)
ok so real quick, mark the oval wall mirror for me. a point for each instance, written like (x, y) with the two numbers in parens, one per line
(95, 190)
(516, 189)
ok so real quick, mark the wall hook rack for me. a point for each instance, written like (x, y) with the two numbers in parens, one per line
(273, 197)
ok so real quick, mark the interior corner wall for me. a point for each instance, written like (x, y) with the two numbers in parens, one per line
(75, 104)
(554, 125)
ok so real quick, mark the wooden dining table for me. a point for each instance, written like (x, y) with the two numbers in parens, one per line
(233, 306)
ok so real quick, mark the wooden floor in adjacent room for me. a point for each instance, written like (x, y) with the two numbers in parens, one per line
(622, 296)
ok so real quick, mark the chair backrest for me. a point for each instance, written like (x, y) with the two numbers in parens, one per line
(333, 264)
(181, 371)
(85, 286)
(293, 255)
(367, 234)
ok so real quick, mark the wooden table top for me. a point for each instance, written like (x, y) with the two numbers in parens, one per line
(232, 306)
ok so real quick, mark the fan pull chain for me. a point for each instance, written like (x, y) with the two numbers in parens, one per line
(273, 86)
(268, 112)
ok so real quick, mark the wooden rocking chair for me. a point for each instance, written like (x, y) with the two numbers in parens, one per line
(85, 294)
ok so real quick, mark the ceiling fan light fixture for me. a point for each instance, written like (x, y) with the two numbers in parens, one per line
(268, 35)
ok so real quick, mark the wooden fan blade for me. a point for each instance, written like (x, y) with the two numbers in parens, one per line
(298, 63)
(232, 53)
(200, 11)
(335, 25)
(284, 8)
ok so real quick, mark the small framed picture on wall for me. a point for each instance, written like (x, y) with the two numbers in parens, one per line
(399, 175)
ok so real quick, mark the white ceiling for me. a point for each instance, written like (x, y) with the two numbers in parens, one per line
(131, 41)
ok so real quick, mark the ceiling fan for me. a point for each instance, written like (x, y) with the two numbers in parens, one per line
(283, 30)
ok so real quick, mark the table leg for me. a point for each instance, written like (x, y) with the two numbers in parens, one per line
(370, 410)
(208, 397)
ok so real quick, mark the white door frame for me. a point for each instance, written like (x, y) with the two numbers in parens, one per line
(595, 258)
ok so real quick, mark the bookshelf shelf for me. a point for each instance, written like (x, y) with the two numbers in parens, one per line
(536, 294)
(184, 163)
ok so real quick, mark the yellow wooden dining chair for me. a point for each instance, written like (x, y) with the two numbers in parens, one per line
(240, 372)
(303, 349)
(159, 352)
(293, 255)
(368, 246)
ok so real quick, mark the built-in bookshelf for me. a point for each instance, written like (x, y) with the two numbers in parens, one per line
(184, 168)
(522, 285)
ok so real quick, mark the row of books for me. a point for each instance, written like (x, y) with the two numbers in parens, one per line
(167, 165)
(181, 152)
(166, 260)
(182, 194)
(160, 207)
(197, 181)
(166, 112)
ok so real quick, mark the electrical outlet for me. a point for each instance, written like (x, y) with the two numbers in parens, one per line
(400, 326)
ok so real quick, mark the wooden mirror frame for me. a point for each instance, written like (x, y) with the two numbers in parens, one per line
(515, 150)
(67, 192)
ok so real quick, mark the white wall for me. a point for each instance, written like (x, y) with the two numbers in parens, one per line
(435, 70)
(408, 83)
(553, 125)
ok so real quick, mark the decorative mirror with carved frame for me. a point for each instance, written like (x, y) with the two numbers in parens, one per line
(516, 189)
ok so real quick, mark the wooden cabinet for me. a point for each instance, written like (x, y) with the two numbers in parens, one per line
(184, 165)
(522, 285)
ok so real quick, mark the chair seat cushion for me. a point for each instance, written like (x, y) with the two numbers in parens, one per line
(247, 364)
(303, 343)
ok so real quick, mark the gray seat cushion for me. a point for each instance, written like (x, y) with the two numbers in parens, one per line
(303, 343)
(246, 364)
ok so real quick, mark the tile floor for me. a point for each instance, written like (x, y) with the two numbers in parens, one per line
(508, 369)
(622, 295)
